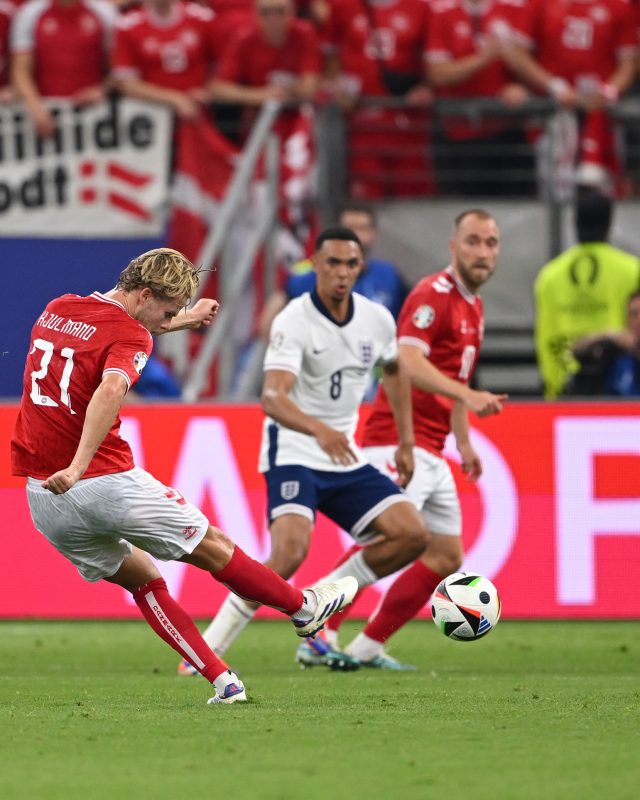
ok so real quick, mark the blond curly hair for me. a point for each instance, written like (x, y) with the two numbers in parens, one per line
(168, 273)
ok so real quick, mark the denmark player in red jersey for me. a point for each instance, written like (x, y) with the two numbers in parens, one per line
(86, 495)
(440, 330)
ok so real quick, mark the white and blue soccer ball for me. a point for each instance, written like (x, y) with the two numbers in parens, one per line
(465, 606)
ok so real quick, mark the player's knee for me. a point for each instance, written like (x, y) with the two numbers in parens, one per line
(287, 555)
(443, 561)
(447, 563)
(414, 538)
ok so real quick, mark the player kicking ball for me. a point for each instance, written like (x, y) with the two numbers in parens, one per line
(85, 493)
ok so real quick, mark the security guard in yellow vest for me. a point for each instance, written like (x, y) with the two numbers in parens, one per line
(582, 291)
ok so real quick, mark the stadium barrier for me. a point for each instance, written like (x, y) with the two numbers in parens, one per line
(554, 521)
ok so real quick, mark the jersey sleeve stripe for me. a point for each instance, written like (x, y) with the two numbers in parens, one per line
(285, 367)
(437, 56)
(419, 343)
(119, 372)
(124, 73)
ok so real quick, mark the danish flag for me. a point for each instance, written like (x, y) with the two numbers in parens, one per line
(116, 187)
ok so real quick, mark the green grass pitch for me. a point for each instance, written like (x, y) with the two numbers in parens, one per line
(536, 710)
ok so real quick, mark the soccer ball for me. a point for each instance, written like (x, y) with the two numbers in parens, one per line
(465, 606)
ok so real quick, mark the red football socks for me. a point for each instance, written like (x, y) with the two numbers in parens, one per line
(176, 627)
(405, 597)
(253, 581)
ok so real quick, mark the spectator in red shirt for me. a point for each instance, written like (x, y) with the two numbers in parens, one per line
(583, 53)
(580, 51)
(165, 52)
(277, 58)
(233, 15)
(467, 52)
(7, 10)
(59, 49)
(375, 49)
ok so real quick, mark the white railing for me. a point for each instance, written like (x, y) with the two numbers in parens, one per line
(235, 270)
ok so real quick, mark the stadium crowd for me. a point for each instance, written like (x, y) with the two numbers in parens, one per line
(383, 61)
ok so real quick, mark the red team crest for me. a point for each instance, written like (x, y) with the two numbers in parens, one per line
(189, 532)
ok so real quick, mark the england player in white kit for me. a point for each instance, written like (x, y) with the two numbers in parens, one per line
(322, 348)
(330, 362)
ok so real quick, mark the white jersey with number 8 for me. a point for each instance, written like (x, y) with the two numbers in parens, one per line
(331, 362)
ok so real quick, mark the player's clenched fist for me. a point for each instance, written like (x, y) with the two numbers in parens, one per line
(61, 481)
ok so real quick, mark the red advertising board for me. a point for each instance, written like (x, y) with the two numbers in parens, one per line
(554, 521)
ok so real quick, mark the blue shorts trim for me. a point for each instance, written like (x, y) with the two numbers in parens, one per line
(350, 499)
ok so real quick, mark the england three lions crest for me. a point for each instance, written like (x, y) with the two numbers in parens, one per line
(366, 353)
(289, 489)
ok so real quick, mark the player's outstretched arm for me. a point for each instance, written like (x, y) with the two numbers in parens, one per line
(277, 404)
(427, 377)
(100, 415)
(202, 313)
(397, 387)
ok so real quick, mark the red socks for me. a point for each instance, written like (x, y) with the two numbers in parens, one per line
(405, 597)
(176, 627)
(253, 581)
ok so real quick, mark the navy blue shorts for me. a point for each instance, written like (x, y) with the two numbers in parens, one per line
(351, 499)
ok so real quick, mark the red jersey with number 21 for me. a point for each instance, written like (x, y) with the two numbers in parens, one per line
(75, 341)
(444, 320)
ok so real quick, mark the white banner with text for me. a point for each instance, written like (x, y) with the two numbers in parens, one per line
(103, 173)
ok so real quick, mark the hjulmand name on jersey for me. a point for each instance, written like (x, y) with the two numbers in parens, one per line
(65, 325)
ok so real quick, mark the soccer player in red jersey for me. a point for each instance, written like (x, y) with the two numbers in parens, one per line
(440, 330)
(467, 52)
(166, 52)
(86, 495)
(60, 49)
(375, 49)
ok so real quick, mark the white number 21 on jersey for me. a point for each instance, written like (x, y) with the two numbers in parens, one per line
(36, 375)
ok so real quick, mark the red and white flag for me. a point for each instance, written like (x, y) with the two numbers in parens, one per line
(204, 166)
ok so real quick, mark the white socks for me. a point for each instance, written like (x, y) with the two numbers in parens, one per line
(224, 679)
(332, 638)
(232, 618)
(356, 566)
(364, 648)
